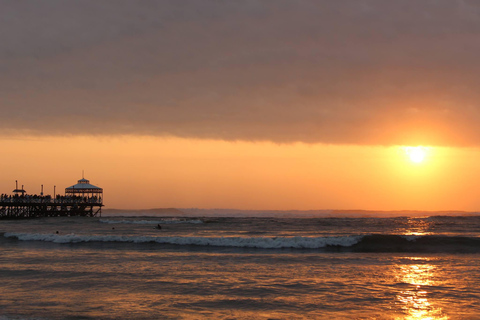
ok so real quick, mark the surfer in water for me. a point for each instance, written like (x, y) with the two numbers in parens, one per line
(159, 227)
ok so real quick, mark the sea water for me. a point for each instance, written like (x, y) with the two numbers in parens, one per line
(240, 268)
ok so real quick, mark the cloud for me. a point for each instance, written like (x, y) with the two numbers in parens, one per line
(360, 72)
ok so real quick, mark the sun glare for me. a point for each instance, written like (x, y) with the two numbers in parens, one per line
(416, 154)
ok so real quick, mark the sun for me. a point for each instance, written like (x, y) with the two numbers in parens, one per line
(416, 154)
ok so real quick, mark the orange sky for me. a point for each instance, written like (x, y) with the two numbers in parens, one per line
(244, 104)
(139, 172)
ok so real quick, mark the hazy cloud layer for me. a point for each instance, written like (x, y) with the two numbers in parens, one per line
(367, 72)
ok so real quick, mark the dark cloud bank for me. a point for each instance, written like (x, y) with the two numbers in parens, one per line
(362, 72)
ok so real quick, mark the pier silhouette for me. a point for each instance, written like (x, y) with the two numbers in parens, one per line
(82, 199)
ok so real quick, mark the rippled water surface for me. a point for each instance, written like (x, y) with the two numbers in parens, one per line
(230, 268)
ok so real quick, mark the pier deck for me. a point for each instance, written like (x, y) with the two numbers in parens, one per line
(21, 207)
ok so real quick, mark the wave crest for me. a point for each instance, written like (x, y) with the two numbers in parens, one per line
(239, 242)
(359, 243)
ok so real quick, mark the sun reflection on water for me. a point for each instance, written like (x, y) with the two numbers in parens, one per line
(414, 300)
(417, 227)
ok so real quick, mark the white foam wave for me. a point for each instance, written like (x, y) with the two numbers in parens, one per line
(239, 242)
(163, 221)
(410, 237)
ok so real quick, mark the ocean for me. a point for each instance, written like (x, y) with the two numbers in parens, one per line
(124, 267)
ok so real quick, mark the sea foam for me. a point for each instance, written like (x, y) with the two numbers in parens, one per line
(239, 242)
(357, 243)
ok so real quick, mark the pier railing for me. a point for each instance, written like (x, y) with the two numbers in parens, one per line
(34, 206)
(49, 200)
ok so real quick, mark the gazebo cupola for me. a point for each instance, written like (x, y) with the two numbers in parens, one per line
(84, 189)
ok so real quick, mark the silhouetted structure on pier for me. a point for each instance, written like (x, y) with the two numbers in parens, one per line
(82, 199)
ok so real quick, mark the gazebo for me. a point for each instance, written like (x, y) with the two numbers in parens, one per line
(84, 189)
(18, 191)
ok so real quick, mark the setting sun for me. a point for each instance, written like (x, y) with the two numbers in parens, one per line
(416, 154)
(223, 146)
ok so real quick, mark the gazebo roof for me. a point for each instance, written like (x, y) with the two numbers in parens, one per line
(79, 186)
(82, 185)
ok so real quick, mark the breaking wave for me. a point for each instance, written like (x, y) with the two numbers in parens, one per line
(365, 243)
(241, 242)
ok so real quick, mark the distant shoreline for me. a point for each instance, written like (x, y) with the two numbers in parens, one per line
(195, 212)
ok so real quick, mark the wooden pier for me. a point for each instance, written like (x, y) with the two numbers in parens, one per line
(82, 199)
(36, 207)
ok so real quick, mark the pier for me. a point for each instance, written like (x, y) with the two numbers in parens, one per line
(82, 199)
